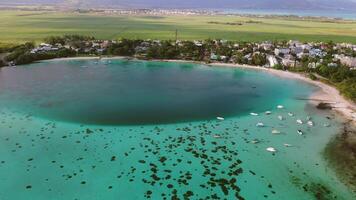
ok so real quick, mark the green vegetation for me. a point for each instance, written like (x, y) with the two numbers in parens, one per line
(21, 54)
(312, 77)
(21, 26)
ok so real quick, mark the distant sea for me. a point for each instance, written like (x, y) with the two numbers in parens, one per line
(304, 13)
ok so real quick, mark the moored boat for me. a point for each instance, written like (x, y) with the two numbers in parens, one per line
(300, 132)
(271, 149)
(299, 121)
(260, 124)
(220, 118)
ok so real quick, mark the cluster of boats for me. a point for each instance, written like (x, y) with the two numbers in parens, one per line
(299, 121)
(280, 117)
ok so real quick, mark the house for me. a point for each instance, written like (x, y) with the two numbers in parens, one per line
(100, 51)
(198, 43)
(272, 60)
(347, 60)
(213, 56)
(288, 62)
(316, 53)
(332, 65)
(43, 47)
(283, 51)
(301, 55)
(297, 50)
(313, 65)
(265, 45)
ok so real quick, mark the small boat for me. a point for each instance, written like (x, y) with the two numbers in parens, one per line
(255, 141)
(280, 117)
(310, 123)
(299, 121)
(274, 131)
(327, 125)
(290, 114)
(260, 124)
(254, 114)
(268, 112)
(216, 136)
(220, 118)
(300, 132)
(287, 145)
(271, 149)
(280, 107)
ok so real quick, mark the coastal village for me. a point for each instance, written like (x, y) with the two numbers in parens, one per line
(291, 54)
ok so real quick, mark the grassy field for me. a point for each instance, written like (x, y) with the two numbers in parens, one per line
(19, 26)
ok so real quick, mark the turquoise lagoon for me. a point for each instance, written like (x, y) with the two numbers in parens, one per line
(118, 129)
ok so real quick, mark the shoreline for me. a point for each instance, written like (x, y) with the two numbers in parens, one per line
(339, 152)
(324, 94)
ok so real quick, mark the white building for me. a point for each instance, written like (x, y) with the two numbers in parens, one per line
(347, 60)
(283, 51)
(288, 62)
(272, 60)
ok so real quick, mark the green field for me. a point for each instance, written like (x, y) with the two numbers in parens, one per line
(19, 26)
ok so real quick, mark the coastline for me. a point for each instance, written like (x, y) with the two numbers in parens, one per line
(340, 149)
(325, 94)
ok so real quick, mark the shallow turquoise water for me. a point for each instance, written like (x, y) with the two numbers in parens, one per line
(115, 129)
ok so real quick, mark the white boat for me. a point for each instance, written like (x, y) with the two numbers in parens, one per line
(280, 107)
(274, 131)
(255, 141)
(300, 132)
(287, 145)
(290, 114)
(220, 118)
(254, 114)
(327, 125)
(299, 121)
(216, 136)
(310, 123)
(271, 149)
(260, 124)
(280, 117)
(268, 112)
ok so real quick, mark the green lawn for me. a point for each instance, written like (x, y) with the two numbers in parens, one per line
(19, 26)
